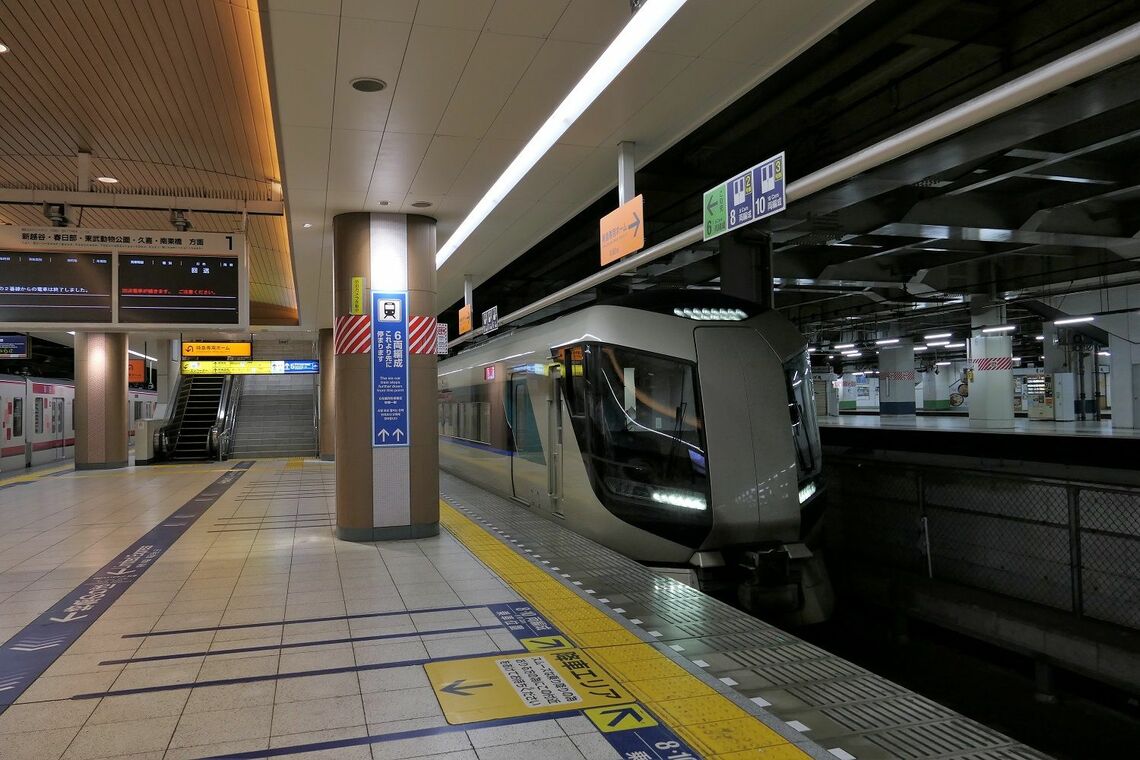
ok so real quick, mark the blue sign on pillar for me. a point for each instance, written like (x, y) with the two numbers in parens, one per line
(389, 369)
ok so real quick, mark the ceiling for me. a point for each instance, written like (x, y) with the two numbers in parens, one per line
(171, 98)
(1039, 203)
(468, 82)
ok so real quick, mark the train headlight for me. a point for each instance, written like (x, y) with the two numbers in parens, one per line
(686, 499)
(807, 492)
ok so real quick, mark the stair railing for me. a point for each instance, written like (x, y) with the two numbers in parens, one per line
(221, 432)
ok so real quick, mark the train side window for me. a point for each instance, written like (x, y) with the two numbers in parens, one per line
(573, 361)
(17, 418)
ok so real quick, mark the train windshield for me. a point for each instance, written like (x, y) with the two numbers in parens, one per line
(801, 409)
(638, 422)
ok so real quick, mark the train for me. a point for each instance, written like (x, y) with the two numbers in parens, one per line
(37, 419)
(677, 428)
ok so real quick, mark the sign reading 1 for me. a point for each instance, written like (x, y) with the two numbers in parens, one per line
(751, 195)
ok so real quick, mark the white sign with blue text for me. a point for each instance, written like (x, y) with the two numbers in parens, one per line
(389, 369)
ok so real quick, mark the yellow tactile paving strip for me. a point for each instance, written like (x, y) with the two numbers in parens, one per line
(28, 478)
(710, 722)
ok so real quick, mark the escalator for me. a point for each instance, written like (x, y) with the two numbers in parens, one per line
(191, 430)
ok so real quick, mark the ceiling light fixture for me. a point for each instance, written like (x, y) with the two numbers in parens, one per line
(1072, 320)
(955, 345)
(4, 48)
(71, 332)
(852, 354)
(937, 343)
(919, 348)
(844, 345)
(1040, 337)
(999, 329)
(132, 352)
(648, 20)
(107, 180)
(936, 336)
(422, 204)
(887, 342)
(306, 225)
(368, 84)
(941, 364)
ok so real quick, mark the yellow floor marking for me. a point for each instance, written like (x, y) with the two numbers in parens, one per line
(35, 475)
(620, 718)
(296, 463)
(490, 688)
(709, 721)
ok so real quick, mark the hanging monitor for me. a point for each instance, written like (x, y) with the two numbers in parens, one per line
(55, 287)
(172, 289)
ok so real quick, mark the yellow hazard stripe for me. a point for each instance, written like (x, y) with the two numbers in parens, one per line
(710, 722)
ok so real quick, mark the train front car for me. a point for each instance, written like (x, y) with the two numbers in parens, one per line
(681, 433)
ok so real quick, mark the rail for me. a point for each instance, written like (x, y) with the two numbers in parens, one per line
(1069, 545)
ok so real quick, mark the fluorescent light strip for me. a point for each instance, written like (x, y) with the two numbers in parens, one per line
(999, 329)
(637, 33)
(842, 346)
(141, 356)
(936, 336)
(955, 345)
(1072, 320)
(941, 364)
(887, 342)
(919, 348)
(937, 343)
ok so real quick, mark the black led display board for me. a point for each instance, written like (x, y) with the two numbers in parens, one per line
(55, 287)
(171, 289)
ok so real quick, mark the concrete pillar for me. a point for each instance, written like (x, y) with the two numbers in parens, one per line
(991, 389)
(848, 401)
(163, 382)
(100, 401)
(896, 379)
(936, 389)
(327, 434)
(387, 482)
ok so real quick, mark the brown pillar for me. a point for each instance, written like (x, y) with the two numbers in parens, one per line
(100, 412)
(387, 478)
(327, 443)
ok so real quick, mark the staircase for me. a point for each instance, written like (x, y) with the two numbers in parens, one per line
(275, 417)
(196, 411)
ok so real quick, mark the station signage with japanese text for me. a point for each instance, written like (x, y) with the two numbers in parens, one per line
(389, 369)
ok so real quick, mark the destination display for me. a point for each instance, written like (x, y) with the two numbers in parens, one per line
(13, 346)
(55, 287)
(158, 289)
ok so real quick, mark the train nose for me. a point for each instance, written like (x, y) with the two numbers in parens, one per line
(752, 471)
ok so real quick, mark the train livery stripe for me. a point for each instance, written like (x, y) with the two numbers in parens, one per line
(58, 443)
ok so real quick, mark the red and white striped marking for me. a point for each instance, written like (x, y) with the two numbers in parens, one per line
(421, 335)
(353, 334)
(988, 363)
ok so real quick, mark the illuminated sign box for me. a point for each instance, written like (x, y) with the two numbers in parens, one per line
(216, 349)
(13, 346)
(286, 367)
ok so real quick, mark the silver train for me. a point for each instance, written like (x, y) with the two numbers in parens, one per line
(678, 429)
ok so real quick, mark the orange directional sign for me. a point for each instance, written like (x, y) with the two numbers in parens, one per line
(622, 231)
(465, 319)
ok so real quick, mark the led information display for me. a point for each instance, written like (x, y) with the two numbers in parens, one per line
(255, 367)
(13, 346)
(179, 289)
(55, 287)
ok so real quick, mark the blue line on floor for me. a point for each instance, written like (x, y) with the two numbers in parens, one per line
(355, 616)
(297, 674)
(29, 653)
(394, 736)
(299, 644)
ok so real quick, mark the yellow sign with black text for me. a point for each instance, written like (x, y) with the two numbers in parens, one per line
(490, 688)
(357, 306)
(465, 319)
(223, 349)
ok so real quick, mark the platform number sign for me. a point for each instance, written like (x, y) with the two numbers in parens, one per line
(751, 195)
(389, 369)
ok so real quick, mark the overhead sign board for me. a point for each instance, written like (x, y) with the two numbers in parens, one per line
(622, 231)
(260, 367)
(223, 349)
(136, 371)
(13, 346)
(465, 319)
(751, 195)
(94, 240)
(491, 319)
(55, 287)
(389, 369)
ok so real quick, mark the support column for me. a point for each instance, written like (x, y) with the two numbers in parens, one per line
(896, 379)
(327, 434)
(100, 411)
(936, 390)
(387, 485)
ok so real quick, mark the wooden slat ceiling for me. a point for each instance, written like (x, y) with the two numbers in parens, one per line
(169, 96)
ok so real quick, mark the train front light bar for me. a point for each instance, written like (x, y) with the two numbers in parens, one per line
(807, 492)
(686, 499)
(711, 315)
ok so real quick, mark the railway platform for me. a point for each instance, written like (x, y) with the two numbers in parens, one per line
(207, 610)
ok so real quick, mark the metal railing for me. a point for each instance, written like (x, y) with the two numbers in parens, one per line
(1066, 545)
(221, 433)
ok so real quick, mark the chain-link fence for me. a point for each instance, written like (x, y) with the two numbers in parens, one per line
(1069, 546)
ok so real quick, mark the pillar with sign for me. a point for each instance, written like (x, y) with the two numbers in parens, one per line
(100, 411)
(897, 379)
(384, 376)
(326, 438)
(990, 372)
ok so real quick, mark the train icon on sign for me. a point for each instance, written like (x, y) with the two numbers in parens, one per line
(388, 310)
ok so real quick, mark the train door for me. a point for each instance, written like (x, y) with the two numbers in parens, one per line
(519, 396)
(59, 437)
(529, 479)
(554, 437)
